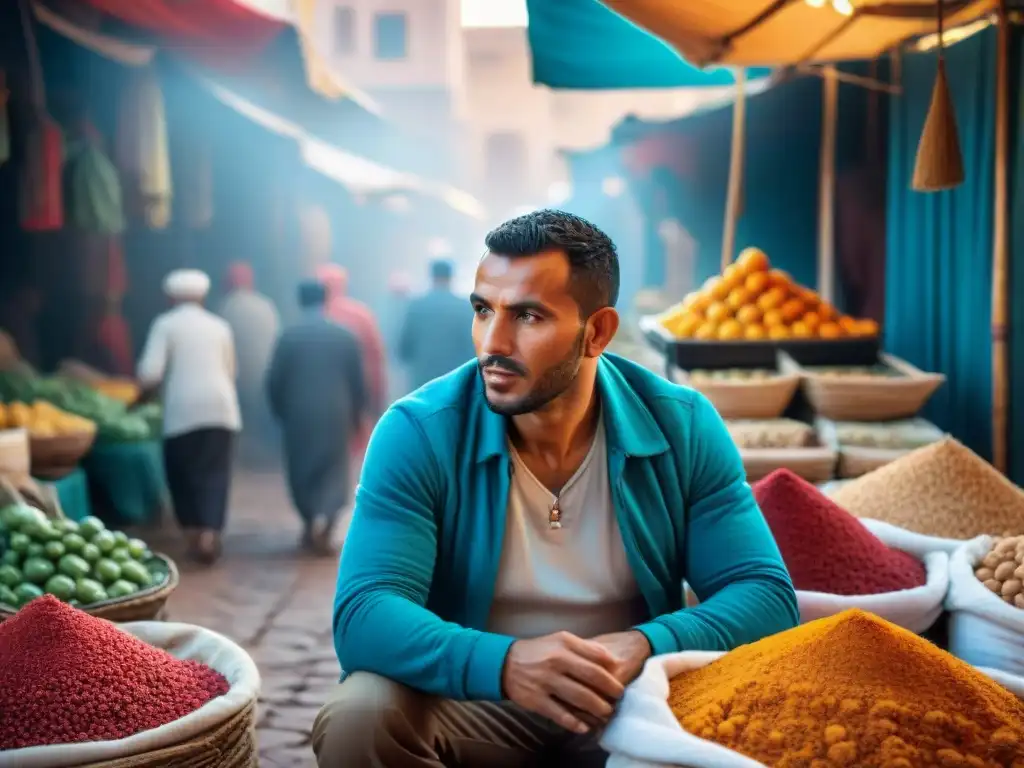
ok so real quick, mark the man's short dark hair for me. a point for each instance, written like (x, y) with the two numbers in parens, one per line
(441, 269)
(312, 293)
(592, 258)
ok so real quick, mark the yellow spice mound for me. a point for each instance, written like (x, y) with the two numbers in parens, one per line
(851, 690)
(943, 489)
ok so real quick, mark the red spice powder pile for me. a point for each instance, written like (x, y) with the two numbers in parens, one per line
(68, 677)
(825, 547)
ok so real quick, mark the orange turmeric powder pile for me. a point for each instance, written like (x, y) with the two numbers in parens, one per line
(851, 690)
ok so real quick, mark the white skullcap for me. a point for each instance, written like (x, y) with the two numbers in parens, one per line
(187, 285)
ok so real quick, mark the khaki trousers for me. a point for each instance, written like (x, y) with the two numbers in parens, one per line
(373, 722)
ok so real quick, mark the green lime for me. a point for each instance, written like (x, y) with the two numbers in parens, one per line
(105, 541)
(121, 588)
(26, 593)
(90, 526)
(10, 576)
(26, 516)
(91, 553)
(10, 516)
(10, 557)
(7, 596)
(121, 555)
(89, 591)
(37, 570)
(73, 542)
(107, 571)
(66, 526)
(55, 550)
(41, 530)
(19, 542)
(138, 549)
(136, 573)
(74, 566)
(121, 537)
(60, 586)
(36, 549)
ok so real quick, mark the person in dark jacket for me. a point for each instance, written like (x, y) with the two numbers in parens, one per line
(317, 391)
(437, 335)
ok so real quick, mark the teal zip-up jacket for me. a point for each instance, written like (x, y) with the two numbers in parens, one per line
(420, 561)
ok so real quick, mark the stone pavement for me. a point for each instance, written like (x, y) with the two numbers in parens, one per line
(274, 603)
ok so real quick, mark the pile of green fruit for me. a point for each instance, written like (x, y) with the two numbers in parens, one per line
(81, 563)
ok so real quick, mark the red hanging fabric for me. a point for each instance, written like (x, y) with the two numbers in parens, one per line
(40, 200)
(213, 26)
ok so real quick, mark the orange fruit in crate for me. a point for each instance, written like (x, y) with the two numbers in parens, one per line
(810, 298)
(778, 332)
(827, 312)
(706, 331)
(732, 276)
(738, 298)
(771, 299)
(757, 283)
(752, 260)
(772, 318)
(689, 299)
(748, 314)
(867, 327)
(830, 330)
(730, 330)
(780, 278)
(811, 320)
(792, 310)
(686, 326)
(755, 332)
(717, 288)
(801, 330)
(717, 312)
(699, 305)
(847, 323)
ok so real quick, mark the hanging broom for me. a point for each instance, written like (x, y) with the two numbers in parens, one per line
(41, 205)
(939, 164)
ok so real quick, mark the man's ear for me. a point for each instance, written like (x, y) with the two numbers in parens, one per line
(601, 329)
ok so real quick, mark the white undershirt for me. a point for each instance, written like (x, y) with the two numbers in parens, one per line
(575, 578)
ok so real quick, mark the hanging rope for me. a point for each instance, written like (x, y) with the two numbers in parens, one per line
(939, 164)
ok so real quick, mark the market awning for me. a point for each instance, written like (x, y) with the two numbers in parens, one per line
(581, 44)
(780, 33)
(356, 173)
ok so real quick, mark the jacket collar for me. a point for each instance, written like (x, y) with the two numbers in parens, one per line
(630, 427)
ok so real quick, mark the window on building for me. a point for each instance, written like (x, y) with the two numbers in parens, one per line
(391, 36)
(344, 31)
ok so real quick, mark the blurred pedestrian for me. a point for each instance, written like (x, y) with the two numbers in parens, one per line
(358, 318)
(255, 324)
(190, 353)
(436, 336)
(316, 387)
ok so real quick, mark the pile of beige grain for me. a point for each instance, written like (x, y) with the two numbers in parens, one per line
(943, 489)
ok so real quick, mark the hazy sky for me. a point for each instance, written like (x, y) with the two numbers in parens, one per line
(493, 13)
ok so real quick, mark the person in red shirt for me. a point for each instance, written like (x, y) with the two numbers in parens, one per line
(358, 318)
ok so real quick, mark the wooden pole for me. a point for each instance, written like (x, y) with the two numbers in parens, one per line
(827, 185)
(1000, 247)
(734, 198)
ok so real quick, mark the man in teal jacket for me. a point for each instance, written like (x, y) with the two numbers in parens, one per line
(524, 525)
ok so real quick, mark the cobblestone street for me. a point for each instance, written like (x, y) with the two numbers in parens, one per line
(274, 603)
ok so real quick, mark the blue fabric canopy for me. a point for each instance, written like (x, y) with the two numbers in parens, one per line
(939, 255)
(584, 45)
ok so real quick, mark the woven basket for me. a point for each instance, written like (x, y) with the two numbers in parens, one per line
(54, 457)
(746, 398)
(815, 464)
(231, 744)
(867, 398)
(857, 460)
(145, 605)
